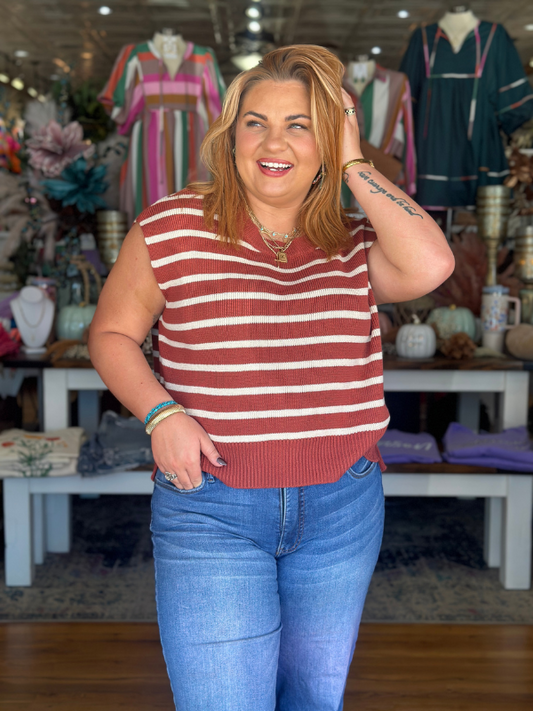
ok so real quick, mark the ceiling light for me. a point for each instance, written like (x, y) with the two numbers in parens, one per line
(529, 28)
(376, 50)
(86, 55)
(246, 61)
(253, 12)
(256, 0)
(104, 10)
(4, 78)
(530, 64)
(41, 98)
(21, 53)
(33, 92)
(254, 26)
(403, 14)
(17, 83)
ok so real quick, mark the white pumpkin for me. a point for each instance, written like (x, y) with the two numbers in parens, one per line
(416, 340)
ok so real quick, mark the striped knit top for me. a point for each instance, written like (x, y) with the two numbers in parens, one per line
(281, 364)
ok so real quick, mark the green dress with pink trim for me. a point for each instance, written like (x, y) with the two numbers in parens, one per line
(460, 102)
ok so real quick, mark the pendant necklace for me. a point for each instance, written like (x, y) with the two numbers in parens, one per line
(273, 246)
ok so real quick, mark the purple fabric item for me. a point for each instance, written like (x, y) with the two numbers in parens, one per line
(93, 256)
(495, 462)
(397, 447)
(5, 305)
(510, 449)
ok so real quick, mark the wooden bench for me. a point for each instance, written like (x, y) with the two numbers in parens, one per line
(508, 512)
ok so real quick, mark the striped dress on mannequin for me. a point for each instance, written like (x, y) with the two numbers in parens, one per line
(166, 117)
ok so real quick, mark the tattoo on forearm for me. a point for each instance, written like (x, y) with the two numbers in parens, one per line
(378, 189)
(345, 177)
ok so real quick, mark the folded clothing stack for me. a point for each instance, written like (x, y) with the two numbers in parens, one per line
(120, 443)
(510, 450)
(40, 454)
(397, 447)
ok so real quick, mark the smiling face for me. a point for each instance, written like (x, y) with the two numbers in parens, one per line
(275, 147)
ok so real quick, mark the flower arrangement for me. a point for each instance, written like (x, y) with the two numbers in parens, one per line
(80, 186)
(52, 148)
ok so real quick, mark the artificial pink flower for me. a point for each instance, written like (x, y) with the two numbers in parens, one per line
(52, 147)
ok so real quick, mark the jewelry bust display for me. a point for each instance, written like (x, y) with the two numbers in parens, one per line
(33, 312)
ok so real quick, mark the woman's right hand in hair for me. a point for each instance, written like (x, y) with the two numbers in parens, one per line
(177, 442)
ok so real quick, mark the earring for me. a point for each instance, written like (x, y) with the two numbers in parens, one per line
(320, 176)
(233, 151)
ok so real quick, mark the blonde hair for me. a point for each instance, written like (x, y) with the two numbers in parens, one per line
(321, 216)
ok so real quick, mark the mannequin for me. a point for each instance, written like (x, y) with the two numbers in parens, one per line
(172, 48)
(458, 24)
(33, 312)
(361, 72)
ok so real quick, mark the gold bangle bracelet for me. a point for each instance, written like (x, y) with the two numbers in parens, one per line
(357, 161)
(160, 416)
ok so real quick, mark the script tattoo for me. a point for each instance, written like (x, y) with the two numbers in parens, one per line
(378, 189)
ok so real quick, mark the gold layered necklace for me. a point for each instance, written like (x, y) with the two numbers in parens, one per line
(269, 238)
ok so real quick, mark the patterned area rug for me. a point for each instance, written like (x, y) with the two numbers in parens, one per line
(431, 568)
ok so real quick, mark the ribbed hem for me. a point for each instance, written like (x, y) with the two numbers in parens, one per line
(261, 465)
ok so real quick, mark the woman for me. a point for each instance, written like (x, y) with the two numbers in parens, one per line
(268, 505)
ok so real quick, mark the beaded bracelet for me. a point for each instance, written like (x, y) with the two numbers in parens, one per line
(160, 416)
(157, 408)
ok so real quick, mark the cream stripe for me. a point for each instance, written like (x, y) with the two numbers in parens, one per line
(494, 174)
(232, 321)
(278, 343)
(297, 412)
(251, 367)
(277, 436)
(174, 196)
(513, 85)
(178, 150)
(276, 389)
(241, 260)
(380, 103)
(175, 234)
(170, 213)
(194, 278)
(241, 296)
(134, 155)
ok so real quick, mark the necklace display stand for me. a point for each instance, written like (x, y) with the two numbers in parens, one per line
(33, 312)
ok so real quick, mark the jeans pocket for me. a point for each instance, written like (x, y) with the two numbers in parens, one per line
(362, 468)
(163, 483)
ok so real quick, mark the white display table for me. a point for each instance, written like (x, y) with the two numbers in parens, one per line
(37, 511)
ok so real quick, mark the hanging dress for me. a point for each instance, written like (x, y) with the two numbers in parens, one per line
(385, 114)
(166, 118)
(461, 101)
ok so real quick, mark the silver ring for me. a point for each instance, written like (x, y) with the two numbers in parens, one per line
(350, 112)
(169, 476)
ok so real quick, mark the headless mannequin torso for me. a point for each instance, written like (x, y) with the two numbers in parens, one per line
(458, 25)
(361, 73)
(172, 48)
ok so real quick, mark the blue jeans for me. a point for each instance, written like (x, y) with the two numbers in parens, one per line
(260, 591)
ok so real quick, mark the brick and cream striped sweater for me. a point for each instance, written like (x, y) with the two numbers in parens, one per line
(280, 364)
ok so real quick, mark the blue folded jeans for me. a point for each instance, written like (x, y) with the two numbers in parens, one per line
(260, 591)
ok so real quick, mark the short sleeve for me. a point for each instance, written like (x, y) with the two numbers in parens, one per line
(512, 95)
